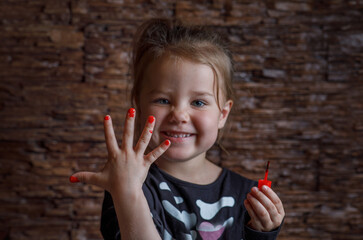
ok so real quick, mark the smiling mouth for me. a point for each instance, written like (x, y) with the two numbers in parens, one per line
(177, 135)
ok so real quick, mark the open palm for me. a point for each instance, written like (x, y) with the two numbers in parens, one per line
(127, 167)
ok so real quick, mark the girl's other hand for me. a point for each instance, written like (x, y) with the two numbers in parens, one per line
(265, 209)
(126, 168)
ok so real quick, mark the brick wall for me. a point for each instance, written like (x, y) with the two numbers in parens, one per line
(64, 65)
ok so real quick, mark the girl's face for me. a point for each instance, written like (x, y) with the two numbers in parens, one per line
(180, 94)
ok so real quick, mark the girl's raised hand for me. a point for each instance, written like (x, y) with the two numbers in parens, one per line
(127, 167)
(265, 209)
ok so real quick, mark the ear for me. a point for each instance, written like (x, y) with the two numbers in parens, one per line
(224, 114)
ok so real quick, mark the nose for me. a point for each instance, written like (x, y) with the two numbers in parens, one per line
(179, 115)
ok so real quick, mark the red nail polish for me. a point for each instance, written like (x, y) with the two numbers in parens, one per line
(73, 179)
(150, 131)
(167, 142)
(151, 119)
(266, 182)
(131, 112)
(107, 117)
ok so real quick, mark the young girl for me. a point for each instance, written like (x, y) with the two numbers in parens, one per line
(164, 187)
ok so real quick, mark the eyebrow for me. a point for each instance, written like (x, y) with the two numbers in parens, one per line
(203, 93)
(157, 91)
(197, 93)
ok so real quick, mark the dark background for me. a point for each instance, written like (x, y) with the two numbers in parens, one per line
(65, 64)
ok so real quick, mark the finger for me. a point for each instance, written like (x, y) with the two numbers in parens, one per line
(260, 211)
(111, 142)
(254, 223)
(87, 177)
(128, 136)
(267, 203)
(275, 199)
(145, 136)
(157, 152)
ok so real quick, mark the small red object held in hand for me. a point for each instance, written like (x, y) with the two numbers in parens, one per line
(266, 182)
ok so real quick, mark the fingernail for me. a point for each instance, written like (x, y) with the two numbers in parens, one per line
(167, 142)
(131, 112)
(255, 189)
(264, 187)
(151, 119)
(107, 117)
(73, 179)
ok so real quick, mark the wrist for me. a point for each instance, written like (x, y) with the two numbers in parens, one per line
(126, 194)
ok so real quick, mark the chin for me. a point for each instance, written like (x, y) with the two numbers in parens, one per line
(173, 155)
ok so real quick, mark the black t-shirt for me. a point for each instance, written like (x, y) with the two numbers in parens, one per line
(183, 210)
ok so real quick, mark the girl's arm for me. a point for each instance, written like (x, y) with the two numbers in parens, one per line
(123, 176)
(134, 217)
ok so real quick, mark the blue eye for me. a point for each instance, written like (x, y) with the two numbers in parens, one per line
(162, 101)
(198, 103)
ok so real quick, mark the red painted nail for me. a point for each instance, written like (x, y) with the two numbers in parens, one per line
(131, 112)
(150, 131)
(151, 119)
(167, 142)
(107, 117)
(73, 179)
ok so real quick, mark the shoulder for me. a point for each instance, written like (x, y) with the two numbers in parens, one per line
(238, 181)
(236, 176)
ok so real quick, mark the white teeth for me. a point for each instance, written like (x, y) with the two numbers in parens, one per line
(177, 135)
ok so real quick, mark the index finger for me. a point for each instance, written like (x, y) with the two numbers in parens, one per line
(145, 135)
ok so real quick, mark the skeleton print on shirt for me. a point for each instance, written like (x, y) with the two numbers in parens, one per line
(207, 229)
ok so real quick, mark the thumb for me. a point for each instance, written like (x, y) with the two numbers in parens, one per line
(86, 177)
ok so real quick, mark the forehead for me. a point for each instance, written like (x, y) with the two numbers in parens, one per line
(178, 74)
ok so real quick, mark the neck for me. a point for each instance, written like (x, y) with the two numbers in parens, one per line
(198, 170)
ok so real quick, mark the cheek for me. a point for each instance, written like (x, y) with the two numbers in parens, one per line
(207, 123)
